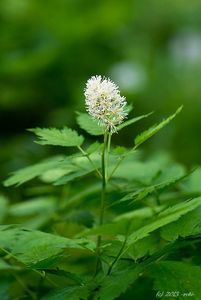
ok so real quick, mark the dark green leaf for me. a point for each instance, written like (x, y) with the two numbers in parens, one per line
(179, 279)
(117, 283)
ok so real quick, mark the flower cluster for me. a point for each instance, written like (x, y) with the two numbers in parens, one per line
(104, 102)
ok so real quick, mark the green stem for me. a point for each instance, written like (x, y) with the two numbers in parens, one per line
(117, 257)
(103, 192)
(115, 168)
(90, 160)
(108, 152)
(120, 160)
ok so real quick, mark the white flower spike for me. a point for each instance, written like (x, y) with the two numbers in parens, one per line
(104, 102)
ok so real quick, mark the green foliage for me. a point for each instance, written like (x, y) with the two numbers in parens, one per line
(167, 216)
(144, 192)
(31, 172)
(189, 224)
(88, 124)
(37, 249)
(57, 169)
(33, 206)
(65, 137)
(71, 293)
(67, 248)
(177, 279)
(117, 283)
(141, 138)
(48, 49)
(92, 127)
(5, 285)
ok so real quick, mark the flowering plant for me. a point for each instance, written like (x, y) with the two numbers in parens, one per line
(114, 224)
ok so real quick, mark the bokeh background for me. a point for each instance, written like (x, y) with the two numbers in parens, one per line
(48, 49)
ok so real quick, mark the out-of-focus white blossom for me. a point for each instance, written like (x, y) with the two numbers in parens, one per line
(104, 102)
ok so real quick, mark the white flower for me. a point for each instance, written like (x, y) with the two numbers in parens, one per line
(104, 102)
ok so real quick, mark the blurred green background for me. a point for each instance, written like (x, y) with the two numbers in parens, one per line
(48, 50)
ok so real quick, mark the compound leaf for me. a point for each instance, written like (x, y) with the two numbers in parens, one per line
(65, 137)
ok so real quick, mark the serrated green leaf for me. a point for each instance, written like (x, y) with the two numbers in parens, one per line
(89, 125)
(50, 170)
(144, 247)
(144, 192)
(33, 171)
(38, 249)
(141, 138)
(132, 121)
(176, 277)
(117, 283)
(65, 137)
(187, 225)
(166, 217)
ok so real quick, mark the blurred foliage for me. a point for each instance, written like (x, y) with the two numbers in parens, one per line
(48, 49)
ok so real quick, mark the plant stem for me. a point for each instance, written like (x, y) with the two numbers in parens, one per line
(117, 257)
(120, 160)
(108, 152)
(103, 191)
(90, 160)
